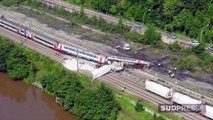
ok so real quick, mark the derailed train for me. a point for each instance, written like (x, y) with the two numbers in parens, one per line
(68, 49)
(151, 86)
(176, 97)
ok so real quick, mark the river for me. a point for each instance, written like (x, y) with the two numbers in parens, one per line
(21, 101)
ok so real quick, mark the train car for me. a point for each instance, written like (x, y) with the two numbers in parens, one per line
(101, 71)
(158, 89)
(9, 25)
(81, 53)
(42, 39)
(184, 99)
(28, 33)
(128, 60)
(209, 112)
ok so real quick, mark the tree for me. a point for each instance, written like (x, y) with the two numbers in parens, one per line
(199, 49)
(82, 14)
(151, 37)
(171, 8)
(104, 5)
(175, 46)
(18, 65)
(5, 50)
(154, 116)
(113, 9)
(138, 13)
(120, 25)
(96, 105)
(47, 83)
(67, 89)
(139, 107)
(182, 21)
(130, 12)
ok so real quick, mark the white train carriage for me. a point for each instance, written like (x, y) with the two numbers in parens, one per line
(128, 60)
(185, 100)
(41, 39)
(209, 112)
(10, 26)
(158, 89)
(81, 53)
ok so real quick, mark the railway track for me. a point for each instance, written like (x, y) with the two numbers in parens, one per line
(111, 79)
(30, 44)
(54, 35)
(90, 13)
(118, 82)
(131, 85)
(107, 17)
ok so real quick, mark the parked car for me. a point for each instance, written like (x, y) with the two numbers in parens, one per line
(210, 48)
(126, 46)
(194, 43)
(171, 36)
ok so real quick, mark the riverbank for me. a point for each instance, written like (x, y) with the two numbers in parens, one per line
(21, 101)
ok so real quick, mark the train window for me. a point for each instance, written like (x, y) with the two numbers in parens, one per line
(43, 40)
(9, 25)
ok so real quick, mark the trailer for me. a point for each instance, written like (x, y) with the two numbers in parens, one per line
(158, 89)
(209, 112)
(101, 71)
(184, 99)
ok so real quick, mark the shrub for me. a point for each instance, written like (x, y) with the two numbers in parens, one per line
(139, 107)
(174, 46)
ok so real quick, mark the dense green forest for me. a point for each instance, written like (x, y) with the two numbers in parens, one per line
(185, 16)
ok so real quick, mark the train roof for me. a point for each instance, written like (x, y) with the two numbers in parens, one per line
(83, 50)
(43, 36)
(30, 30)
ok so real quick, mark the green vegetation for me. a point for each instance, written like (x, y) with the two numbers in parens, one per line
(11, 2)
(99, 23)
(75, 92)
(201, 59)
(151, 37)
(128, 104)
(5, 49)
(187, 17)
(20, 63)
(17, 64)
(139, 107)
(175, 46)
(167, 115)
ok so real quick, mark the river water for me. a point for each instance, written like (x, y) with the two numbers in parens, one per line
(21, 101)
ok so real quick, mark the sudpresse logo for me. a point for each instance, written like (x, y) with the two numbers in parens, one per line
(181, 108)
